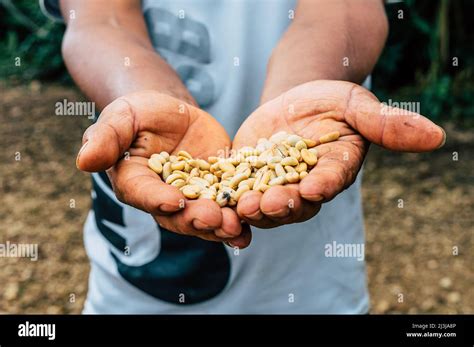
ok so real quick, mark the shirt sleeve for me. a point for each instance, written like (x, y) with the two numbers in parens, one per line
(50, 9)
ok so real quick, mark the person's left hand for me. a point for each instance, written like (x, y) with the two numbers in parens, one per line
(314, 109)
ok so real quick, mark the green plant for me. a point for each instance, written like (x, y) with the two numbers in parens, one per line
(31, 43)
(429, 58)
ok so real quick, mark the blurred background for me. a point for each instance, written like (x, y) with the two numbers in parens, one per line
(420, 257)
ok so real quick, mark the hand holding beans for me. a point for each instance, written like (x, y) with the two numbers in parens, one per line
(319, 110)
(129, 131)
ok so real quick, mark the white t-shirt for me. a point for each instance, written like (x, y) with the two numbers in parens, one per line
(220, 49)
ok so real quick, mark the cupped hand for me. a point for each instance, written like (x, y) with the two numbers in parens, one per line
(129, 131)
(314, 109)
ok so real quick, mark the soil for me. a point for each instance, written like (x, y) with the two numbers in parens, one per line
(418, 210)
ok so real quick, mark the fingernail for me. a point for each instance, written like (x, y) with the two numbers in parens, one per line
(220, 231)
(254, 215)
(318, 197)
(169, 208)
(228, 244)
(79, 154)
(444, 138)
(284, 212)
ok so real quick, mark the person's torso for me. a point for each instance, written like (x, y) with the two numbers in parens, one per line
(220, 50)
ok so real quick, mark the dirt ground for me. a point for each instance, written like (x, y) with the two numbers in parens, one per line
(419, 249)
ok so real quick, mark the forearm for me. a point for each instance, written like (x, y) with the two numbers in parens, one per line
(335, 39)
(113, 57)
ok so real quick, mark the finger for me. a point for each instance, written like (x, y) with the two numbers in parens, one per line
(248, 207)
(200, 217)
(284, 205)
(281, 202)
(136, 185)
(208, 236)
(391, 127)
(105, 142)
(231, 226)
(335, 171)
(244, 239)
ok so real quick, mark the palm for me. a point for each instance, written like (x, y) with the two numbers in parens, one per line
(165, 125)
(312, 110)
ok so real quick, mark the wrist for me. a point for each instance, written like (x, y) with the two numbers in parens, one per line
(279, 82)
(180, 93)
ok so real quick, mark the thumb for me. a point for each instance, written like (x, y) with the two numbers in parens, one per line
(105, 142)
(392, 127)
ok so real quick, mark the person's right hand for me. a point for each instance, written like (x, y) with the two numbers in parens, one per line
(148, 122)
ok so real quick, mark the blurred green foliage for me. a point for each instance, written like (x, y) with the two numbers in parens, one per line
(27, 34)
(429, 58)
(418, 63)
